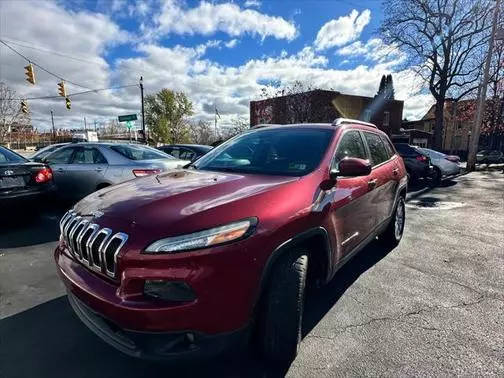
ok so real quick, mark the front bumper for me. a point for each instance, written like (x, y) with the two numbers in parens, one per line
(156, 345)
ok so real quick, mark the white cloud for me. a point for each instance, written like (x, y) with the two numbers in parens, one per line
(232, 43)
(374, 49)
(343, 30)
(252, 3)
(208, 18)
(87, 36)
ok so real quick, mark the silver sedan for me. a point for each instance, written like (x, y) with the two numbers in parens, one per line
(443, 167)
(80, 169)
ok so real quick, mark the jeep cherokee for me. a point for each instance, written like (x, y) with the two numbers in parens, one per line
(189, 261)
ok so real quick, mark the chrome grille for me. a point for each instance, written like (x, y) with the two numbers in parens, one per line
(96, 248)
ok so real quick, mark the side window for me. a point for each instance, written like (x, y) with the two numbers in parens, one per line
(388, 147)
(376, 148)
(186, 154)
(86, 155)
(350, 145)
(175, 152)
(61, 156)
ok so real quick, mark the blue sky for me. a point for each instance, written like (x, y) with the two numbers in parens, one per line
(220, 53)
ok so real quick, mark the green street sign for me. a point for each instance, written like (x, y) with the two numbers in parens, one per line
(129, 124)
(126, 118)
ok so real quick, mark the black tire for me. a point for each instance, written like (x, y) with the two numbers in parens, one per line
(281, 312)
(390, 237)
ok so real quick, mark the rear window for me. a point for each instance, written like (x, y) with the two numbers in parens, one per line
(405, 149)
(138, 152)
(7, 156)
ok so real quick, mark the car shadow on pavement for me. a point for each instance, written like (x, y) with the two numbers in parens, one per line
(320, 301)
(49, 341)
(37, 226)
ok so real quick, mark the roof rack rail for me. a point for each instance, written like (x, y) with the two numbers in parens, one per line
(265, 125)
(342, 121)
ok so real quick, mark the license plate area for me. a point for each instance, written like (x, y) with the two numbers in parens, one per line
(11, 182)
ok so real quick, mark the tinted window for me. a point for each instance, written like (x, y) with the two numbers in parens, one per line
(7, 156)
(350, 145)
(186, 154)
(87, 155)
(61, 156)
(138, 152)
(276, 152)
(175, 152)
(376, 148)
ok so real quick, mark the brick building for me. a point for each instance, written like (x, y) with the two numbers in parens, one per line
(325, 106)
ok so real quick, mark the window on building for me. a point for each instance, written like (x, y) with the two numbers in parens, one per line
(459, 125)
(367, 115)
(386, 118)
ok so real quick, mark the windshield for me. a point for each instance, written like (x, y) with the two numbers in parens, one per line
(139, 152)
(7, 156)
(275, 152)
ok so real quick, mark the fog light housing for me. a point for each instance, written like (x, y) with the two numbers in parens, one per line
(171, 291)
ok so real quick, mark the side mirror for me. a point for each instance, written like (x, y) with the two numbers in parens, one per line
(352, 167)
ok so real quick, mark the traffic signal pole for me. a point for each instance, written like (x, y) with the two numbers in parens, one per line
(143, 113)
(53, 129)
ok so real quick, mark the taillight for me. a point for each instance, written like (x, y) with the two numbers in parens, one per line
(145, 172)
(44, 175)
(422, 158)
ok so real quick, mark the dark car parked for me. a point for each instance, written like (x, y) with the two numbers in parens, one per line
(22, 180)
(187, 262)
(418, 165)
(186, 151)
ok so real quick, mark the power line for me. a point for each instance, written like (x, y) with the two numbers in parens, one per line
(73, 94)
(11, 41)
(39, 66)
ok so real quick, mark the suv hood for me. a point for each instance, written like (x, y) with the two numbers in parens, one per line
(176, 196)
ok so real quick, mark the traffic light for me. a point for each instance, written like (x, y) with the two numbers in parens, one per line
(61, 89)
(24, 106)
(30, 74)
(68, 103)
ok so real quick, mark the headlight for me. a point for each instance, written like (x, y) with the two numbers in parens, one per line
(203, 239)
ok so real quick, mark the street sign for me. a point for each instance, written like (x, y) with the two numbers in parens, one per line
(129, 125)
(129, 117)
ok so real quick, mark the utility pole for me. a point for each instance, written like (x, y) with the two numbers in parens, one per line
(53, 129)
(85, 125)
(475, 134)
(143, 112)
(95, 126)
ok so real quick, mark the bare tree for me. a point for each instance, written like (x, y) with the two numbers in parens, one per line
(238, 125)
(10, 112)
(444, 41)
(201, 132)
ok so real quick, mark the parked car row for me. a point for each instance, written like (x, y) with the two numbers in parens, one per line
(424, 163)
(74, 170)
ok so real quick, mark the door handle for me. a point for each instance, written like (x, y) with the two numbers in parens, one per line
(395, 171)
(372, 184)
(98, 169)
(60, 170)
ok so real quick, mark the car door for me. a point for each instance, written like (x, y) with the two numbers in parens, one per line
(86, 170)
(59, 161)
(382, 180)
(351, 211)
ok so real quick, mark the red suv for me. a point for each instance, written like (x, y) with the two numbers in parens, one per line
(190, 261)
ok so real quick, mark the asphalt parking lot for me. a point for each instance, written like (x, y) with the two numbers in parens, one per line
(432, 306)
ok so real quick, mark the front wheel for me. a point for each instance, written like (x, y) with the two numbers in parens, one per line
(279, 327)
(394, 232)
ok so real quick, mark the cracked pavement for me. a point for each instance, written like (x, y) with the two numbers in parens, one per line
(433, 306)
